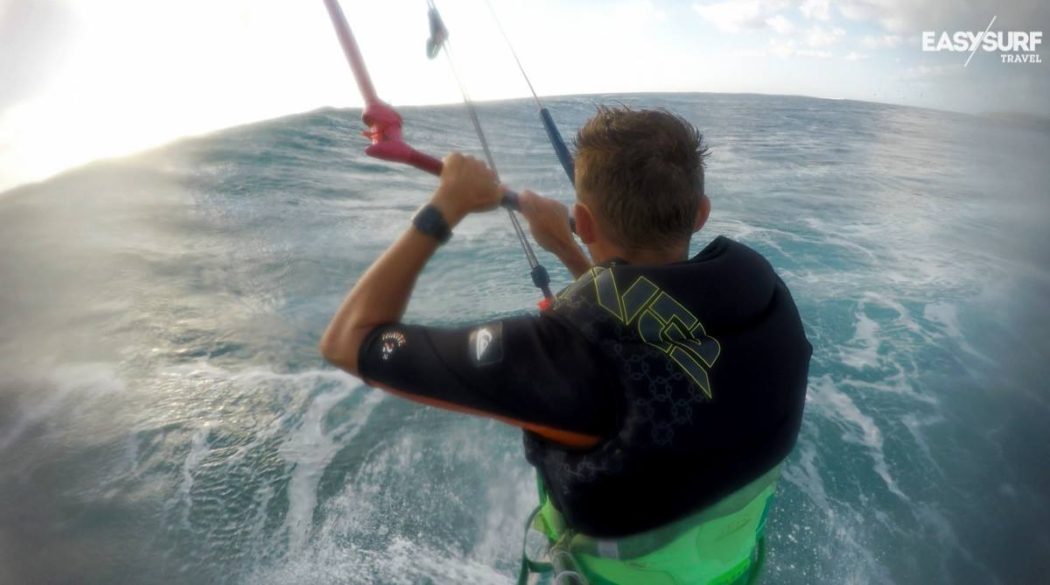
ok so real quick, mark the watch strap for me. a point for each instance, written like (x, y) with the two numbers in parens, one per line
(431, 222)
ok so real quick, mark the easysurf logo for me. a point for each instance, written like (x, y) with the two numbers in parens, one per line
(1014, 46)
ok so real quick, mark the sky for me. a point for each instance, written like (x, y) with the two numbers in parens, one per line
(88, 79)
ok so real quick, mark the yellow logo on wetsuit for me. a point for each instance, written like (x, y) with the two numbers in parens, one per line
(662, 322)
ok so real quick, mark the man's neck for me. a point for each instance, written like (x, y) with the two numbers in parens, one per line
(646, 257)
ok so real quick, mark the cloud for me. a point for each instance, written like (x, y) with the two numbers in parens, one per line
(926, 72)
(638, 11)
(894, 16)
(785, 48)
(855, 56)
(814, 54)
(816, 9)
(909, 16)
(31, 33)
(821, 36)
(735, 15)
(780, 24)
(882, 41)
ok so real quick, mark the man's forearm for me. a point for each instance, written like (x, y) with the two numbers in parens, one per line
(574, 258)
(380, 296)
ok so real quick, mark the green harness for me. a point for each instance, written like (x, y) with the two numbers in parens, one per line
(720, 545)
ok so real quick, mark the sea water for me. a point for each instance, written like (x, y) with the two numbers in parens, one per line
(165, 416)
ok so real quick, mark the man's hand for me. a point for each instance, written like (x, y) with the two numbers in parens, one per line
(549, 221)
(467, 186)
(381, 295)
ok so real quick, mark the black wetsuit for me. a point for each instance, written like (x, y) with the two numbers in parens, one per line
(646, 393)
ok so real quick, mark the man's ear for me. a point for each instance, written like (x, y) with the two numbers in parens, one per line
(702, 213)
(585, 226)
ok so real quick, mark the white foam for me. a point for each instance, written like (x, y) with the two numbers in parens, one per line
(199, 449)
(297, 427)
(936, 526)
(509, 496)
(915, 424)
(402, 562)
(358, 542)
(747, 232)
(802, 471)
(902, 260)
(946, 317)
(838, 406)
(897, 376)
(862, 351)
(834, 534)
(257, 375)
(82, 381)
(309, 449)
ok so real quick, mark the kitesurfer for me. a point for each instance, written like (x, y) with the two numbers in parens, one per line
(658, 394)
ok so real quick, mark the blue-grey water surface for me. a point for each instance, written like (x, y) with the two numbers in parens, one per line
(165, 416)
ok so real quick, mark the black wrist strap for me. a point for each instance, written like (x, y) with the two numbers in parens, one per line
(430, 221)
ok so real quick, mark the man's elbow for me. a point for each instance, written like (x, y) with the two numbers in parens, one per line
(341, 351)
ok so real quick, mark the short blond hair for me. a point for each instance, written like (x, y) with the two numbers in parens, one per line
(642, 173)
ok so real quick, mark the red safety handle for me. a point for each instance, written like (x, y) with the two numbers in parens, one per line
(425, 162)
(383, 121)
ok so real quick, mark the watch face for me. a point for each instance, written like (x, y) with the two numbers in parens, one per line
(430, 221)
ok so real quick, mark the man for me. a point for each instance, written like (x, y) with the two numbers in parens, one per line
(658, 394)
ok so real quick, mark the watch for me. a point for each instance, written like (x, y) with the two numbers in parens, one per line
(430, 221)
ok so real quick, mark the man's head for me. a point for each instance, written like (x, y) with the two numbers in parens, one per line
(640, 183)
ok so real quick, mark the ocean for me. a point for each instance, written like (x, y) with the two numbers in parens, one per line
(165, 416)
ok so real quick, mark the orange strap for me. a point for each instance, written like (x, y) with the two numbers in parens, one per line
(567, 438)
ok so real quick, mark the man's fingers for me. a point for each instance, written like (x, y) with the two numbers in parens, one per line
(527, 202)
(452, 159)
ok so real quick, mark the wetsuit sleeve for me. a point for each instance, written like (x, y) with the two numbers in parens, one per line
(537, 373)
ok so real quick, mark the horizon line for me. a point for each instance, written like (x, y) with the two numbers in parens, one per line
(9, 190)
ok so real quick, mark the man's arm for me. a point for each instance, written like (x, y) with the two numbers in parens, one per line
(536, 373)
(382, 294)
(533, 372)
(549, 222)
